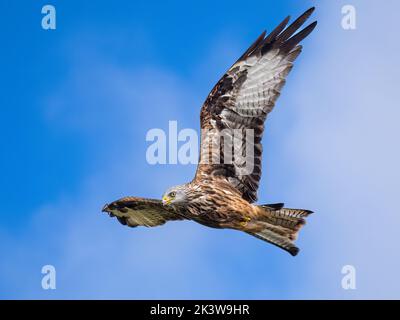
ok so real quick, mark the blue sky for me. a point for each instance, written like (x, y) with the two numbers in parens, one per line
(77, 103)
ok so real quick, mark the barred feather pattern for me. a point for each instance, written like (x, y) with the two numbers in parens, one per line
(289, 218)
(135, 211)
(280, 226)
(242, 99)
(221, 194)
(277, 240)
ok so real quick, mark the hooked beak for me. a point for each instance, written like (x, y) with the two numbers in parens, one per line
(166, 200)
(108, 208)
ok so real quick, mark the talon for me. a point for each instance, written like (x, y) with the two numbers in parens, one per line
(246, 220)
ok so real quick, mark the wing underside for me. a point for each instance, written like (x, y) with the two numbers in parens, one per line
(134, 211)
(241, 101)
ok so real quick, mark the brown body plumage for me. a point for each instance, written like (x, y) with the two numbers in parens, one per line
(217, 204)
(222, 192)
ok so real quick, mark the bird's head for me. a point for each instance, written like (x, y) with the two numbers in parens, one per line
(175, 196)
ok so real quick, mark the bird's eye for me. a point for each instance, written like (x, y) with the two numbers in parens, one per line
(172, 194)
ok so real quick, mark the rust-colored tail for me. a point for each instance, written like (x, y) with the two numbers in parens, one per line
(281, 225)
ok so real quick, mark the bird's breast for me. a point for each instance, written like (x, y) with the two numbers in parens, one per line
(218, 210)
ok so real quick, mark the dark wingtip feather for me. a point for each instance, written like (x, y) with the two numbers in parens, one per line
(253, 46)
(310, 11)
(274, 33)
(276, 206)
(293, 251)
(280, 35)
(295, 25)
(294, 40)
(122, 220)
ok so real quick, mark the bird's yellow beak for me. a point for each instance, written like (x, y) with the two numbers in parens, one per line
(166, 200)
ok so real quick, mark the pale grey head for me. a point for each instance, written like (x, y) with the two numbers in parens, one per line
(176, 196)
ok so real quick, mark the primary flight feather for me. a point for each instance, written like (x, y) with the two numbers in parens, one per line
(222, 193)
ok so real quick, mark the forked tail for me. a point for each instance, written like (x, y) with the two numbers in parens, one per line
(281, 225)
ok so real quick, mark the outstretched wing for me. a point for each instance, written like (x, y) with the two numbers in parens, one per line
(241, 100)
(133, 211)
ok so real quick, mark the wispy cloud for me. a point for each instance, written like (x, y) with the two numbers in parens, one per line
(344, 141)
(110, 108)
(330, 146)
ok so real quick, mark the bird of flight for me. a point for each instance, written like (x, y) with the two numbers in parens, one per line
(222, 193)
